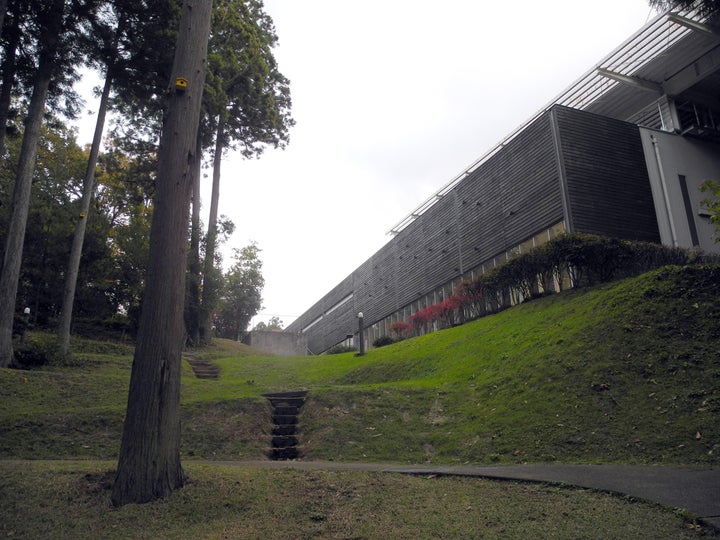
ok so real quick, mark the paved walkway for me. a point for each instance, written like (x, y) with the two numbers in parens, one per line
(696, 490)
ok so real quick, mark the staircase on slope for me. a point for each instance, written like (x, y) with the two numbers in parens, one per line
(286, 409)
(203, 369)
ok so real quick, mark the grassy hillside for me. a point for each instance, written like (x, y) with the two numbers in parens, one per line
(625, 372)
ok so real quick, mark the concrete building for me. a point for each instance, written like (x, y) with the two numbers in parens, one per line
(622, 152)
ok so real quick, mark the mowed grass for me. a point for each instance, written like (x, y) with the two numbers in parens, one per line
(71, 500)
(626, 372)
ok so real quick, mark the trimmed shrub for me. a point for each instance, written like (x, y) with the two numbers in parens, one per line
(472, 298)
(583, 258)
(382, 341)
(37, 350)
(116, 327)
(339, 349)
(29, 357)
(400, 329)
(418, 321)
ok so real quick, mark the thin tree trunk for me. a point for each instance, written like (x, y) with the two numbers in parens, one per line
(23, 184)
(210, 281)
(149, 463)
(79, 237)
(192, 308)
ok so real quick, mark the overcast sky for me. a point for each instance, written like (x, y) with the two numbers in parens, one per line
(392, 99)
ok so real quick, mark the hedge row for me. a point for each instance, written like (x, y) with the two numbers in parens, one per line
(572, 260)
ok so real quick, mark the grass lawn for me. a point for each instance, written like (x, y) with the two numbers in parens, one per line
(71, 500)
(627, 372)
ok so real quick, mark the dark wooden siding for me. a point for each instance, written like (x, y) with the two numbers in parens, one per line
(607, 179)
(383, 295)
(511, 197)
(410, 252)
(326, 332)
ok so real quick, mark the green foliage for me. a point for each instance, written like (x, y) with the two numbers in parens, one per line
(273, 324)
(139, 62)
(27, 357)
(382, 341)
(115, 327)
(586, 259)
(245, 94)
(242, 293)
(125, 186)
(53, 212)
(340, 349)
(35, 350)
(112, 268)
(706, 7)
(579, 260)
(624, 372)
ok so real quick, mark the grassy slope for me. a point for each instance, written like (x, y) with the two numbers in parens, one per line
(626, 372)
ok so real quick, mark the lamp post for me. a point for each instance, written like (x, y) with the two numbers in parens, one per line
(26, 324)
(361, 335)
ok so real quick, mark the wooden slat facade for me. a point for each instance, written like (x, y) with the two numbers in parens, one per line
(511, 197)
(607, 178)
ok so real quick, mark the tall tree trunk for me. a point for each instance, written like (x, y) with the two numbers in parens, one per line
(3, 9)
(71, 276)
(210, 279)
(79, 237)
(192, 305)
(149, 463)
(23, 184)
(9, 66)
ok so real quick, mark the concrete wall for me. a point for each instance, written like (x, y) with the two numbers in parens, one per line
(278, 343)
(672, 161)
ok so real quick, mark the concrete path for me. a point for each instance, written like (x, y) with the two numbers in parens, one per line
(696, 490)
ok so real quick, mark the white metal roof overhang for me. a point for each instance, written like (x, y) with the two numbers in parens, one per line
(677, 54)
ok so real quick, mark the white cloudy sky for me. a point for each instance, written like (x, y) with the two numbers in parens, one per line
(392, 99)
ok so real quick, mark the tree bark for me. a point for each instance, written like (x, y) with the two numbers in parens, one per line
(3, 9)
(210, 281)
(79, 237)
(149, 464)
(9, 66)
(23, 184)
(192, 308)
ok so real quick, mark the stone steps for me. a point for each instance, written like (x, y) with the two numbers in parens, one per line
(203, 369)
(285, 417)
